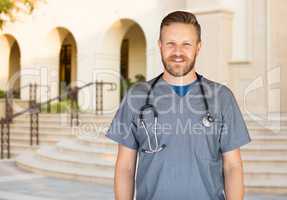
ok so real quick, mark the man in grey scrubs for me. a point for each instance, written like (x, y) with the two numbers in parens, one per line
(177, 156)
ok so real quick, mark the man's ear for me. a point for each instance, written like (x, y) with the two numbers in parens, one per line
(199, 44)
(159, 43)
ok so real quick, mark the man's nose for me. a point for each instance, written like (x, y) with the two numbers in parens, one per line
(177, 50)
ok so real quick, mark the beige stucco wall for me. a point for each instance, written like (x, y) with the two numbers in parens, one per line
(242, 67)
(240, 41)
(137, 52)
(277, 51)
(39, 59)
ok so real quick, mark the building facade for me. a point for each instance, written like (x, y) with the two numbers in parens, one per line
(75, 42)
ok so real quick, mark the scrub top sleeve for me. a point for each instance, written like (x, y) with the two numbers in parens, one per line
(123, 126)
(234, 133)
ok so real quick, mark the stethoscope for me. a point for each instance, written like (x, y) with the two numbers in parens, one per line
(207, 119)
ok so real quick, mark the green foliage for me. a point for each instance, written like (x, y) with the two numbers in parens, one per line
(5, 6)
(10, 8)
(2, 94)
(63, 106)
(126, 84)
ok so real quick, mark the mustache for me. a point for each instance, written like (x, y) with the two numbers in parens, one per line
(173, 57)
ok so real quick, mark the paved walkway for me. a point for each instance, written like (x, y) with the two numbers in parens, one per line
(17, 184)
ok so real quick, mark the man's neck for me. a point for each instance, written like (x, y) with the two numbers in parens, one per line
(183, 80)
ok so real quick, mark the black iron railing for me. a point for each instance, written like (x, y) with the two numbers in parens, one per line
(34, 109)
(5, 138)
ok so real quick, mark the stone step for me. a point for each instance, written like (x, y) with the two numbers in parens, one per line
(30, 162)
(26, 132)
(73, 148)
(60, 121)
(43, 139)
(269, 139)
(271, 147)
(17, 149)
(264, 149)
(266, 179)
(268, 133)
(266, 123)
(269, 190)
(270, 136)
(53, 116)
(262, 157)
(55, 128)
(42, 122)
(252, 152)
(47, 135)
(60, 132)
(20, 143)
(265, 116)
(41, 125)
(94, 139)
(274, 129)
(264, 164)
(54, 157)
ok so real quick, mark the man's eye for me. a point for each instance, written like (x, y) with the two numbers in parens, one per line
(187, 44)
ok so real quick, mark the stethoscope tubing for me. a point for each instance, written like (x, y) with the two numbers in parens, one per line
(207, 120)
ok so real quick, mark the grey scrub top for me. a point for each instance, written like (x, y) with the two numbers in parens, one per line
(191, 165)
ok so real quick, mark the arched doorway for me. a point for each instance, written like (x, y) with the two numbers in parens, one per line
(123, 53)
(63, 51)
(67, 64)
(132, 57)
(10, 62)
(14, 69)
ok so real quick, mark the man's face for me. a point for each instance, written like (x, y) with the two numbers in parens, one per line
(179, 48)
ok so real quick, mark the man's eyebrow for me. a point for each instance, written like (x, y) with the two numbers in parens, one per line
(184, 41)
(169, 41)
(189, 41)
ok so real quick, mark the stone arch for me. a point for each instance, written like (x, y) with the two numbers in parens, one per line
(62, 51)
(125, 44)
(10, 62)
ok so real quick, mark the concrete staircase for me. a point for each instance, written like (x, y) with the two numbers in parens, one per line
(52, 128)
(84, 155)
(78, 159)
(265, 158)
(91, 158)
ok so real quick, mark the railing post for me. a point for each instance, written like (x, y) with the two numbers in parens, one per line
(49, 103)
(60, 98)
(5, 138)
(8, 105)
(2, 139)
(34, 115)
(73, 94)
(99, 97)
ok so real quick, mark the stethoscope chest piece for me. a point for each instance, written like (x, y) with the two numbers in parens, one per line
(207, 120)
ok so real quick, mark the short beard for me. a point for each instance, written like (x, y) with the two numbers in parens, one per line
(186, 69)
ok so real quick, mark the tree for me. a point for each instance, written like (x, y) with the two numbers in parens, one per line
(9, 9)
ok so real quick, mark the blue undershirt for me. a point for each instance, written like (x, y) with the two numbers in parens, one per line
(181, 90)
